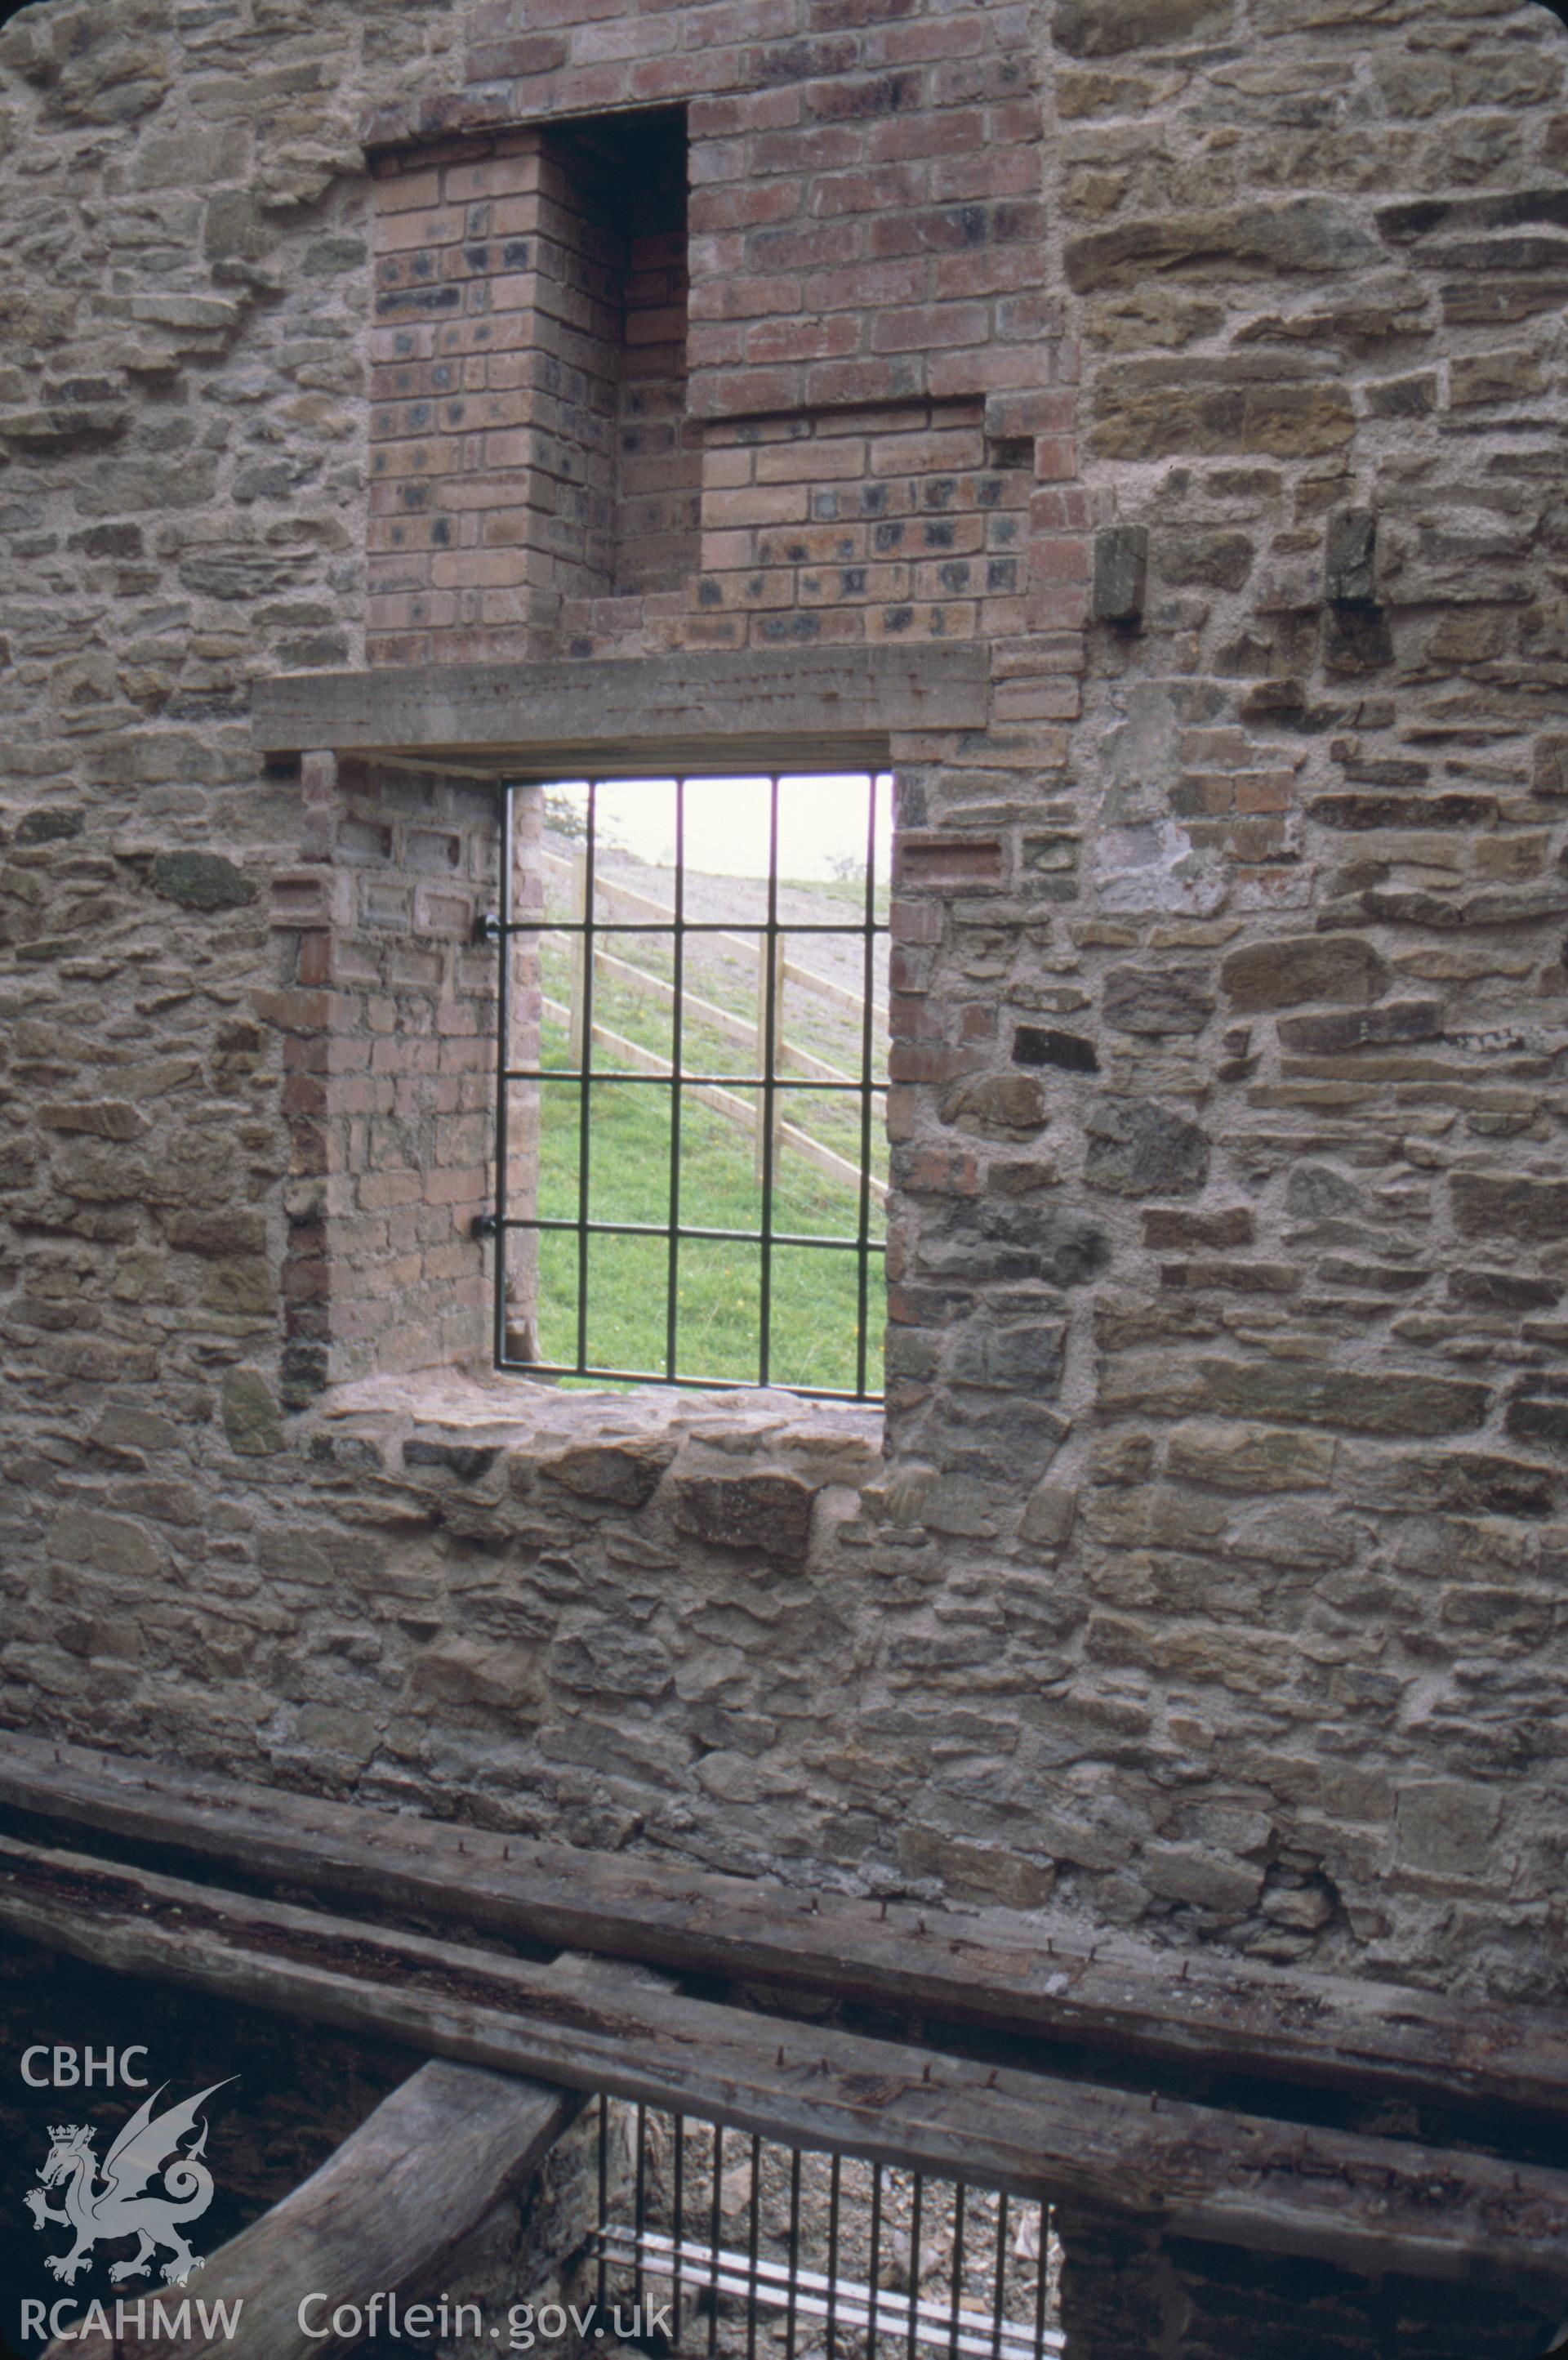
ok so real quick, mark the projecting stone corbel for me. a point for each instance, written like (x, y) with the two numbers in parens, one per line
(1121, 573)
(1350, 563)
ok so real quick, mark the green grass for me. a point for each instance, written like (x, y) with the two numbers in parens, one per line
(814, 1314)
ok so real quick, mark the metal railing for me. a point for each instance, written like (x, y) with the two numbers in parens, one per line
(744, 2232)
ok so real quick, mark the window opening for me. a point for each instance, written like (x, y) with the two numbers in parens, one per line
(691, 1081)
(742, 2243)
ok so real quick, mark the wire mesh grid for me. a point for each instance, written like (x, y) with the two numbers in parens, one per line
(783, 2252)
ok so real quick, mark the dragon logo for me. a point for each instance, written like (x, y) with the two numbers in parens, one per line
(149, 2144)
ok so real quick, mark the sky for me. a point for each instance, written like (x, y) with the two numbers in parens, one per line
(821, 824)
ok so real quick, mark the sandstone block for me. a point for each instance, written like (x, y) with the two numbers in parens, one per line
(1121, 573)
(1199, 560)
(216, 1234)
(1048, 1515)
(1291, 1532)
(998, 1105)
(1138, 1149)
(1455, 1482)
(201, 881)
(1507, 375)
(242, 1285)
(1207, 1880)
(1502, 1290)
(1136, 420)
(1305, 234)
(1025, 1358)
(250, 1415)
(1105, 28)
(1389, 1403)
(1250, 1459)
(1301, 967)
(624, 1473)
(1350, 559)
(467, 1671)
(100, 1118)
(608, 1660)
(1447, 1826)
(109, 1543)
(1550, 771)
(770, 1513)
(469, 1462)
(1536, 1419)
(1315, 1192)
(1498, 1204)
(1165, 1227)
(1156, 1000)
(973, 1872)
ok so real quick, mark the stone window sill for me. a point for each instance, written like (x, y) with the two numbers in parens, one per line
(735, 1469)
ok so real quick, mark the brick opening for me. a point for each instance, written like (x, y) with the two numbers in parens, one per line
(531, 449)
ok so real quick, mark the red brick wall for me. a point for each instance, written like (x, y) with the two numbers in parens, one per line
(902, 522)
(660, 473)
(388, 1016)
(583, 445)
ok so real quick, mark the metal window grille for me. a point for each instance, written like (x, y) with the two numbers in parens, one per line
(554, 1106)
(735, 2242)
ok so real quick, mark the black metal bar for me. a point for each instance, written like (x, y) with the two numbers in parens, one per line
(754, 2233)
(835, 2171)
(863, 1300)
(769, 1059)
(662, 1081)
(671, 1308)
(713, 2240)
(679, 2207)
(639, 2207)
(503, 1051)
(873, 2261)
(697, 1385)
(999, 2292)
(915, 2204)
(667, 926)
(603, 2194)
(714, 1237)
(584, 1118)
(955, 2284)
(1040, 2282)
(794, 2252)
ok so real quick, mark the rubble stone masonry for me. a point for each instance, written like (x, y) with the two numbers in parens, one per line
(1201, 360)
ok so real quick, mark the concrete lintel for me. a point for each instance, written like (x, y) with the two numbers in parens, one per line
(619, 713)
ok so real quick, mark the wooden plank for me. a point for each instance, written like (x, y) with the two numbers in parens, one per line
(384, 2212)
(628, 715)
(1370, 2204)
(1037, 1975)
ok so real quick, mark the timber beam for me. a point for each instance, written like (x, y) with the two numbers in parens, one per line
(624, 714)
(1026, 1976)
(384, 2212)
(1370, 2204)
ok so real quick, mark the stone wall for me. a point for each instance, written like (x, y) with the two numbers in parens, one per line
(1206, 365)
